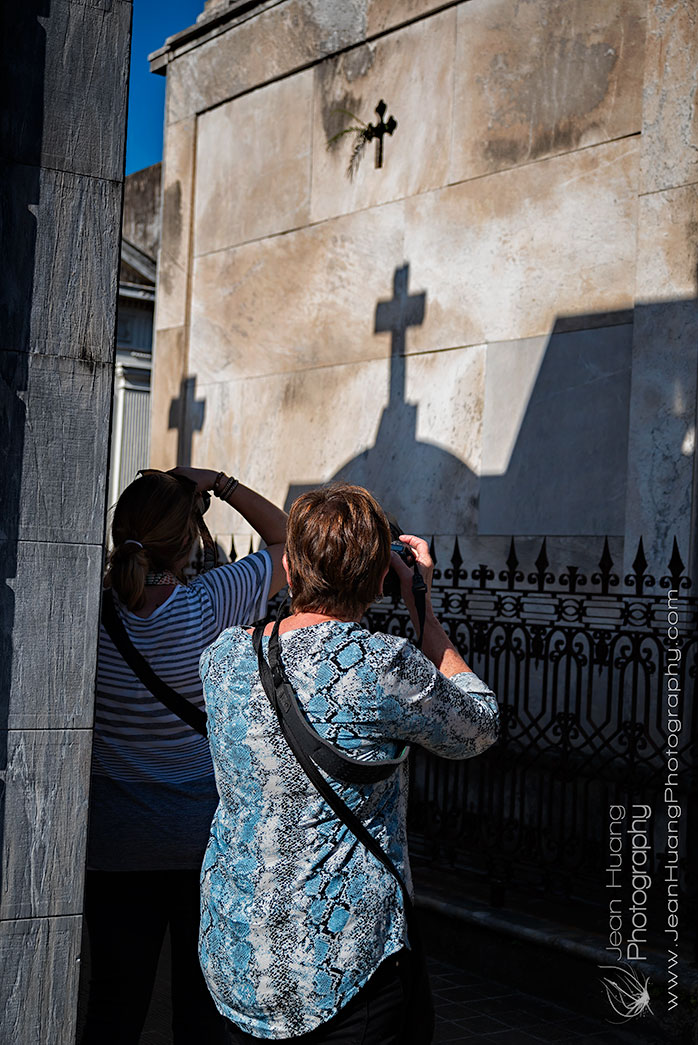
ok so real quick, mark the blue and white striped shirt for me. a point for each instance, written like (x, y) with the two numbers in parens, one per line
(153, 791)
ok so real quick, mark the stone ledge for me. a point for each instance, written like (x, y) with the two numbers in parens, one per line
(373, 22)
(207, 25)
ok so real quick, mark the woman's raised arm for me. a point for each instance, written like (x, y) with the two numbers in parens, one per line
(263, 516)
(436, 644)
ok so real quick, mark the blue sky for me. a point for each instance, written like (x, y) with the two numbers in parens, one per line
(153, 22)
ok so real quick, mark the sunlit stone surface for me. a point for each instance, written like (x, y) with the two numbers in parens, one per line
(547, 314)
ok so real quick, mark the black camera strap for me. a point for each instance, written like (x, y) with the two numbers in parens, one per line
(419, 591)
(285, 702)
(419, 585)
(419, 1022)
(338, 805)
(173, 701)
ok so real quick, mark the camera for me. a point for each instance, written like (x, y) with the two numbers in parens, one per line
(203, 502)
(404, 551)
(391, 585)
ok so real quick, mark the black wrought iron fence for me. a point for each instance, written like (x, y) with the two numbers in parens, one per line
(578, 662)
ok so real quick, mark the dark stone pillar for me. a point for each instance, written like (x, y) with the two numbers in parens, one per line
(64, 73)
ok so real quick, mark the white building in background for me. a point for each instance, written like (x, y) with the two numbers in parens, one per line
(134, 336)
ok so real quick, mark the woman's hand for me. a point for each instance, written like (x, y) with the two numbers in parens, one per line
(436, 644)
(423, 559)
(203, 477)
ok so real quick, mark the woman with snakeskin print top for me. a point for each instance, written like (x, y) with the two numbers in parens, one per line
(301, 928)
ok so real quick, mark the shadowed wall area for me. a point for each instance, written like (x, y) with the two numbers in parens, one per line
(64, 77)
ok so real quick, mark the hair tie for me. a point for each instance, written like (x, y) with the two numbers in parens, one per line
(130, 541)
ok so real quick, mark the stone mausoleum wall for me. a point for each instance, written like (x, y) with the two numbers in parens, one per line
(496, 330)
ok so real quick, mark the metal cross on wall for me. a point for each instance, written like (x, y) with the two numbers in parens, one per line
(380, 130)
(187, 416)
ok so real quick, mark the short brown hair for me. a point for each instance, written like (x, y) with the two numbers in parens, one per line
(337, 548)
(157, 511)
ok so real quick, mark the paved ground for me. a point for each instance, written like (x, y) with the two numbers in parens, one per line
(471, 1008)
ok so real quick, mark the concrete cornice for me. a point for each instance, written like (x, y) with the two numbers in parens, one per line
(206, 28)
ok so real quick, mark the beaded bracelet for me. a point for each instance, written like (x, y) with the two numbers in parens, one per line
(229, 488)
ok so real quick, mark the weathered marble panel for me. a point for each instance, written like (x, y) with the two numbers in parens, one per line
(501, 257)
(537, 79)
(253, 166)
(51, 684)
(55, 414)
(556, 434)
(173, 260)
(495, 260)
(283, 434)
(221, 444)
(284, 429)
(386, 14)
(251, 50)
(259, 50)
(52, 221)
(169, 367)
(412, 71)
(40, 961)
(453, 422)
(666, 245)
(380, 14)
(301, 300)
(45, 822)
(670, 128)
(662, 430)
(79, 129)
(665, 360)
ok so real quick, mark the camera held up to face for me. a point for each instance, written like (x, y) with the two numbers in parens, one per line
(391, 585)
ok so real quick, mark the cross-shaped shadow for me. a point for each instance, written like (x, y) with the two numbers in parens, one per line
(187, 416)
(554, 435)
(407, 475)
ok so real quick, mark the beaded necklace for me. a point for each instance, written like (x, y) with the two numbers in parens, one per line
(161, 577)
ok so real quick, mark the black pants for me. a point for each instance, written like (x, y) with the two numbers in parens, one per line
(127, 915)
(374, 1016)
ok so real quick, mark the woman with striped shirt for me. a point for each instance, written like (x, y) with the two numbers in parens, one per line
(153, 793)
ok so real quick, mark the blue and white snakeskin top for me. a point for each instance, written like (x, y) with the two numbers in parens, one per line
(296, 915)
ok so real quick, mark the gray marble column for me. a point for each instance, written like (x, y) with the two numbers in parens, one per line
(65, 67)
